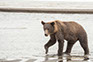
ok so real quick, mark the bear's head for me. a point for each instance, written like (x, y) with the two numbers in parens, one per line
(49, 27)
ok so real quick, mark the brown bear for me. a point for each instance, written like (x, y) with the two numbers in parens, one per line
(69, 31)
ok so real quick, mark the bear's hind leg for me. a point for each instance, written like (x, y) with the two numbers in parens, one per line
(84, 45)
(69, 47)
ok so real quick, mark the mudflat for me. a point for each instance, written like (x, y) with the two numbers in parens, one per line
(22, 38)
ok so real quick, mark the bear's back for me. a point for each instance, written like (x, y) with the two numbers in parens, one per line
(73, 26)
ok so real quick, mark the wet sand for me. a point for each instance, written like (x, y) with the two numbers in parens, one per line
(51, 58)
(22, 38)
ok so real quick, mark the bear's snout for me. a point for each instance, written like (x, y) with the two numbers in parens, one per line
(46, 35)
(46, 32)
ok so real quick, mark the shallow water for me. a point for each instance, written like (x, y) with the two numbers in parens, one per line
(22, 37)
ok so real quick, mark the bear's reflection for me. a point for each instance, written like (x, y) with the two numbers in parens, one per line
(59, 58)
(52, 58)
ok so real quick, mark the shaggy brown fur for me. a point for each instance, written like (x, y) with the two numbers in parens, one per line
(70, 31)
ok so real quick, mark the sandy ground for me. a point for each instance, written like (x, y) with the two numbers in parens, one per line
(22, 37)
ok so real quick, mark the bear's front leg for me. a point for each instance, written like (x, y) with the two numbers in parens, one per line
(46, 48)
(50, 43)
(60, 47)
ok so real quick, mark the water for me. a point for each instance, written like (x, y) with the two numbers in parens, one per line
(22, 38)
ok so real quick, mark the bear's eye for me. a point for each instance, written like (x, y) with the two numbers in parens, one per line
(44, 29)
(47, 28)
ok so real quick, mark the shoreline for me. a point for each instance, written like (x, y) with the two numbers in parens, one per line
(45, 10)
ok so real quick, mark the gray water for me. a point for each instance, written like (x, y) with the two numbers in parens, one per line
(22, 38)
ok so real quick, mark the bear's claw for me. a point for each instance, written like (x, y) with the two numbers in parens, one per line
(46, 48)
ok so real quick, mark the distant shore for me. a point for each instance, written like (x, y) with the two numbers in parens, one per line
(46, 10)
(47, 6)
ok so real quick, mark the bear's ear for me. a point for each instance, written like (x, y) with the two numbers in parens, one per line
(52, 23)
(42, 22)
